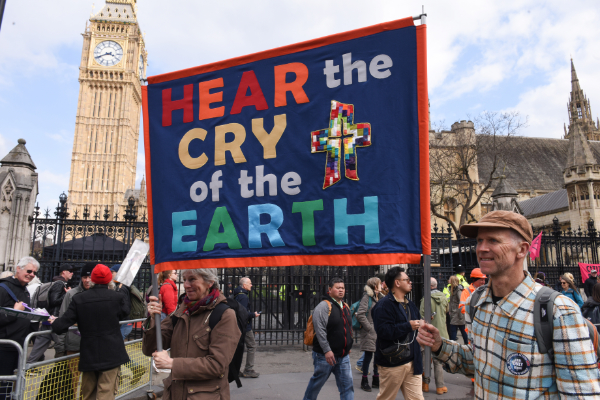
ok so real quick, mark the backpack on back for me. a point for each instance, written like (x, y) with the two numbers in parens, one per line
(309, 333)
(138, 306)
(354, 310)
(40, 296)
(543, 321)
(241, 316)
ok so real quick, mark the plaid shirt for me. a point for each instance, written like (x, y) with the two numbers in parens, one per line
(503, 351)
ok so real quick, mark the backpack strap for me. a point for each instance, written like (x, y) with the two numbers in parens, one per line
(329, 305)
(475, 296)
(11, 294)
(216, 314)
(543, 321)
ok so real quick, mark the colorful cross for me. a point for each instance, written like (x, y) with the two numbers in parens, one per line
(330, 140)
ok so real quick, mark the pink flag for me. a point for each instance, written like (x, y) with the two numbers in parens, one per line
(534, 249)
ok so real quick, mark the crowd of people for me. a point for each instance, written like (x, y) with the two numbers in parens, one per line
(203, 332)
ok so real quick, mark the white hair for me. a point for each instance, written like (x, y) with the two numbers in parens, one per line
(25, 261)
(433, 283)
(244, 280)
(207, 274)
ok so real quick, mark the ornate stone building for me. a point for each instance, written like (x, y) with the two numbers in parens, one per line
(546, 178)
(107, 124)
(18, 192)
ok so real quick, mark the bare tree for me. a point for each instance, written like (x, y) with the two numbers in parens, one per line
(455, 157)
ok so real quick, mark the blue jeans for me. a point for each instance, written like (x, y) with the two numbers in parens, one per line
(126, 330)
(359, 363)
(453, 332)
(342, 372)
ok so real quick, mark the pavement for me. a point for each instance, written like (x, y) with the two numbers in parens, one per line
(286, 370)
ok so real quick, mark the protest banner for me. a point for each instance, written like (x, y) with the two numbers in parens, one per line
(585, 270)
(316, 153)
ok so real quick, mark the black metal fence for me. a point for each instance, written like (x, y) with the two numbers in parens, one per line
(285, 295)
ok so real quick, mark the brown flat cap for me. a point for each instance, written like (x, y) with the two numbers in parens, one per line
(500, 219)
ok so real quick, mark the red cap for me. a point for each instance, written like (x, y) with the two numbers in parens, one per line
(101, 275)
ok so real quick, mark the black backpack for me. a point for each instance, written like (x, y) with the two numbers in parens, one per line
(241, 315)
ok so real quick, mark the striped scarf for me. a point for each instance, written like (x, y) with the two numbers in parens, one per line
(192, 306)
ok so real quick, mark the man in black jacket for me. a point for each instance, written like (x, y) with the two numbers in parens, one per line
(332, 344)
(56, 294)
(396, 318)
(13, 294)
(588, 285)
(97, 312)
(241, 296)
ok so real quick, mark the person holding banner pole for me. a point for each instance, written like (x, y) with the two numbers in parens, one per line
(199, 356)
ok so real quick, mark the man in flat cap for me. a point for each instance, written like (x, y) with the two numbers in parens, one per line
(503, 352)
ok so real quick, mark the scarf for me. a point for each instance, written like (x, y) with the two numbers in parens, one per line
(193, 306)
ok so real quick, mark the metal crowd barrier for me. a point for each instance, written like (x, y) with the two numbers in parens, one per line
(11, 383)
(60, 379)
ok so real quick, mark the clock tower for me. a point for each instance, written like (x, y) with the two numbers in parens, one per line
(107, 124)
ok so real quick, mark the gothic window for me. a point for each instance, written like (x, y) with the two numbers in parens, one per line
(87, 177)
(596, 188)
(579, 115)
(94, 109)
(92, 181)
(449, 208)
(584, 194)
(8, 191)
(572, 197)
(109, 101)
(99, 104)
(486, 208)
(102, 181)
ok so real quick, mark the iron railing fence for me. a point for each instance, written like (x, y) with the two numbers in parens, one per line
(285, 295)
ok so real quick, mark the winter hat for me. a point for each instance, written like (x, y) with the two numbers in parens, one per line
(101, 275)
(87, 269)
(115, 268)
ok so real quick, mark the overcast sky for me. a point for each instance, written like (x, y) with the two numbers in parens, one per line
(482, 55)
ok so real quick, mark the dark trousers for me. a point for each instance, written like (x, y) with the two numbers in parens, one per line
(453, 332)
(366, 362)
(10, 361)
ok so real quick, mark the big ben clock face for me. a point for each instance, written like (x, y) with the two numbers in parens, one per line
(108, 53)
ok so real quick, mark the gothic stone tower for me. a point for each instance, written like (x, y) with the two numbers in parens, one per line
(580, 113)
(107, 124)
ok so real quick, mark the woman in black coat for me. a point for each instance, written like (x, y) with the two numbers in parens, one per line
(591, 304)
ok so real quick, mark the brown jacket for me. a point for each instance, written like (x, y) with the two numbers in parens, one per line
(200, 357)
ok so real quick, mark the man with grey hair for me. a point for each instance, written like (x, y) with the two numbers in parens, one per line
(241, 296)
(13, 294)
(439, 308)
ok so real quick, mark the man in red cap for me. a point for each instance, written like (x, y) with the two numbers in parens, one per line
(97, 312)
(503, 351)
(478, 279)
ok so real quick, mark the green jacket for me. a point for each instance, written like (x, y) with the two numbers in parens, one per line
(461, 281)
(439, 305)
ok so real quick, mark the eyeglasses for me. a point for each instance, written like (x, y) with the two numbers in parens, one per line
(31, 271)
(563, 283)
(404, 280)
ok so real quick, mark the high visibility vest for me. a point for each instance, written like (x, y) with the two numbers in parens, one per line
(461, 281)
(464, 296)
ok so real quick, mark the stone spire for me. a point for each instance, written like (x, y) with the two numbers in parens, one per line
(579, 110)
(505, 197)
(19, 156)
(579, 153)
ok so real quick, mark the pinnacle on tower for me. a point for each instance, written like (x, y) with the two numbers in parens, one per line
(579, 153)
(574, 81)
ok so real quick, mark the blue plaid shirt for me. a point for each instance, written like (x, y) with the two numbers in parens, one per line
(503, 351)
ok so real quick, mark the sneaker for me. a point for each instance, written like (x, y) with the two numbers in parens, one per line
(441, 390)
(249, 374)
(358, 368)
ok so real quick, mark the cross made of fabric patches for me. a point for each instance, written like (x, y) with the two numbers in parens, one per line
(342, 130)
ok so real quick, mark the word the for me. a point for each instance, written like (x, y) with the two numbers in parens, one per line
(379, 68)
